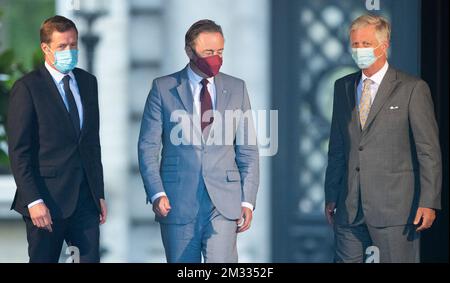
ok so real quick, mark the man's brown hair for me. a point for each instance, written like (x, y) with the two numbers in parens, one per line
(199, 27)
(56, 23)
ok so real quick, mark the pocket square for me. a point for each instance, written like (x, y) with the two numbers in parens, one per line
(393, 108)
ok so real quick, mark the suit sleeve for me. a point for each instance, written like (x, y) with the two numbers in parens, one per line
(97, 146)
(247, 155)
(336, 156)
(149, 144)
(21, 138)
(426, 137)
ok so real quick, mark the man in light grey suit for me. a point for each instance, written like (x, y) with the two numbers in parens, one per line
(383, 181)
(203, 193)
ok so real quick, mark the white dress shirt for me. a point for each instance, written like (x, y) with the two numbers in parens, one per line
(58, 79)
(195, 83)
(196, 87)
(377, 78)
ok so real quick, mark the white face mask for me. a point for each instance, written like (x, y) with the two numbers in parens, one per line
(365, 57)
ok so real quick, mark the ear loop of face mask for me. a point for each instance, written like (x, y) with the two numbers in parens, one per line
(53, 53)
(384, 53)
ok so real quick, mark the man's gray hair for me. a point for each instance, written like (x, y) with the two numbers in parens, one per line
(382, 26)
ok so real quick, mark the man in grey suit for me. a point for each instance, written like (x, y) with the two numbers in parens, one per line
(203, 193)
(383, 181)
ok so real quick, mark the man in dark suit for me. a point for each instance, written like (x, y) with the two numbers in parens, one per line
(54, 148)
(383, 181)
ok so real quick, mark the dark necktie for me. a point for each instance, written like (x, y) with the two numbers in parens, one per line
(73, 110)
(206, 102)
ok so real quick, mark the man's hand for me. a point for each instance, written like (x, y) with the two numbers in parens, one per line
(40, 215)
(104, 211)
(161, 206)
(329, 212)
(246, 219)
(427, 215)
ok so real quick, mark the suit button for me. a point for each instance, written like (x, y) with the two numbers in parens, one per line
(361, 148)
(357, 169)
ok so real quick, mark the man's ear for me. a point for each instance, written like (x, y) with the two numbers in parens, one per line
(189, 52)
(386, 46)
(48, 54)
(44, 47)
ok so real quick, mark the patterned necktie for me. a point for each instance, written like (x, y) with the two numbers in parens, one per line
(206, 103)
(73, 110)
(365, 102)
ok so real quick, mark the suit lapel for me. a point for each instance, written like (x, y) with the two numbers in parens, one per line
(351, 87)
(222, 95)
(61, 107)
(387, 86)
(222, 98)
(84, 90)
(184, 93)
(187, 99)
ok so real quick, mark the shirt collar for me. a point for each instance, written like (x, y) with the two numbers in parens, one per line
(56, 75)
(196, 79)
(378, 76)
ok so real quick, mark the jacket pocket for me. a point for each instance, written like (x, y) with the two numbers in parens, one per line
(233, 176)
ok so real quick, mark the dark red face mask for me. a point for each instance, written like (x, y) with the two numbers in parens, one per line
(210, 66)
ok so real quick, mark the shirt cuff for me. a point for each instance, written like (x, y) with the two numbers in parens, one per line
(156, 196)
(247, 205)
(35, 202)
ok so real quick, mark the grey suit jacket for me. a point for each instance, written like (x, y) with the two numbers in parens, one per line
(230, 172)
(394, 164)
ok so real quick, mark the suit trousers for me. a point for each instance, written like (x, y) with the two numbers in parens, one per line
(80, 230)
(210, 235)
(395, 244)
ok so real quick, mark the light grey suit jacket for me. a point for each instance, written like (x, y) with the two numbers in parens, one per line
(394, 163)
(230, 172)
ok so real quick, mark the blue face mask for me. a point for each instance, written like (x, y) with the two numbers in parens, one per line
(364, 57)
(66, 60)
